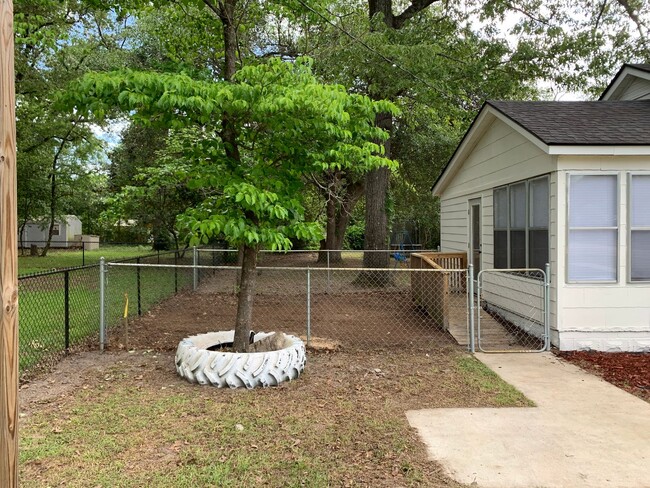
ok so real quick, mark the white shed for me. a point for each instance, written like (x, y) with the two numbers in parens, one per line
(67, 233)
(566, 183)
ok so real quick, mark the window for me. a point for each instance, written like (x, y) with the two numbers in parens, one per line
(55, 230)
(593, 228)
(639, 227)
(521, 218)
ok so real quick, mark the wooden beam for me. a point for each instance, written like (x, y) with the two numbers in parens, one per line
(8, 256)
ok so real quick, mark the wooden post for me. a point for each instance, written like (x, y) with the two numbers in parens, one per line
(8, 256)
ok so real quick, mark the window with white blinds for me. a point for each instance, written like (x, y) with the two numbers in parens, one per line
(639, 222)
(593, 228)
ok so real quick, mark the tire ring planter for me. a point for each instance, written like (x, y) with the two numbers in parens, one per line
(198, 363)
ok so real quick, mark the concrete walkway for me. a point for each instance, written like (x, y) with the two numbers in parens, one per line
(584, 432)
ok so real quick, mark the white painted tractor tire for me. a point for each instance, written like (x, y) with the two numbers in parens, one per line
(197, 364)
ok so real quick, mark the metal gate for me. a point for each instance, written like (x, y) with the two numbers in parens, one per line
(511, 310)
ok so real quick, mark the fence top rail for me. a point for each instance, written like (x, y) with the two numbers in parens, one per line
(40, 274)
(278, 268)
(437, 259)
(424, 258)
(50, 272)
(345, 251)
(145, 256)
(441, 255)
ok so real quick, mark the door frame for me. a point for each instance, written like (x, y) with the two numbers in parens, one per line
(472, 203)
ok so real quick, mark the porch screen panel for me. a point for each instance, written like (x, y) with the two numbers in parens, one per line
(593, 228)
(501, 228)
(518, 225)
(521, 221)
(640, 228)
(538, 203)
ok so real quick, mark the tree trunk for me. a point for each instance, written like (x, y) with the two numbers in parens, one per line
(50, 231)
(339, 211)
(21, 234)
(376, 230)
(53, 192)
(227, 16)
(331, 253)
(376, 236)
(384, 7)
(228, 134)
(245, 300)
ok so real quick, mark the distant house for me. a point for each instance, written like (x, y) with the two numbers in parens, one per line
(565, 183)
(67, 233)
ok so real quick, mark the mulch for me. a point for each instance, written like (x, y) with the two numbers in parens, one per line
(629, 371)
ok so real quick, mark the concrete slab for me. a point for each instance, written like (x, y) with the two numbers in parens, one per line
(583, 432)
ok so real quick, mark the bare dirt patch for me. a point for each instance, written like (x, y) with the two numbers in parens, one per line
(128, 420)
(356, 317)
(629, 371)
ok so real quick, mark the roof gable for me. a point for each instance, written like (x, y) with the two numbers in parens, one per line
(486, 117)
(589, 128)
(624, 79)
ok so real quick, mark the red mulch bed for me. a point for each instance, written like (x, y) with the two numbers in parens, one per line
(630, 371)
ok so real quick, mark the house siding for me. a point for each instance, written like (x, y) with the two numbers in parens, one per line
(36, 233)
(501, 156)
(602, 316)
(638, 89)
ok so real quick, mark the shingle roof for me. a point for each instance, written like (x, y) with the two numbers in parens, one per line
(598, 123)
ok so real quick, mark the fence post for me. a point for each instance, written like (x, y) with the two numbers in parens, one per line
(66, 330)
(195, 278)
(137, 274)
(547, 307)
(175, 271)
(102, 300)
(83, 253)
(308, 306)
(470, 297)
(328, 271)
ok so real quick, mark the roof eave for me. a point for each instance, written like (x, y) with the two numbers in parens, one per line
(599, 150)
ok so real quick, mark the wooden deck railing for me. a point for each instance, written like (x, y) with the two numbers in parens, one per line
(431, 290)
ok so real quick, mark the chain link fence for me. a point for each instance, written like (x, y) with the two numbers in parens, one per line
(512, 312)
(57, 310)
(60, 310)
(408, 304)
(350, 307)
(392, 258)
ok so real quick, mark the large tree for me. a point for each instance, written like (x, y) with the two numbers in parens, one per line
(376, 236)
(56, 42)
(255, 137)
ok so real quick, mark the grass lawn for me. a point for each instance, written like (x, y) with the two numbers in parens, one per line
(127, 420)
(42, 306)
(68, 258)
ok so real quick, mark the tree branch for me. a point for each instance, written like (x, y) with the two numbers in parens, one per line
(635, 18)
(412, 10)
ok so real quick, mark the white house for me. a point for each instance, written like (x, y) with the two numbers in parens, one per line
(67, 233)
(566, 183)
